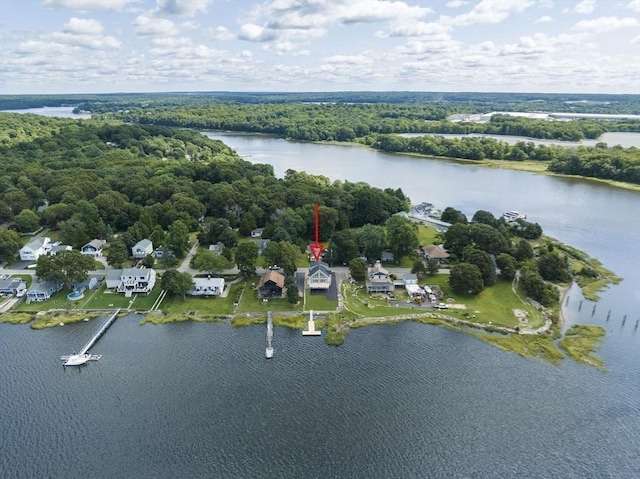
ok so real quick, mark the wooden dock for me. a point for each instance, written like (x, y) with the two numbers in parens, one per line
(77, 359)
(269, 351)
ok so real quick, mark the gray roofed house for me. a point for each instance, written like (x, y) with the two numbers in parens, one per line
(142, 248)
(207, 287)
(113, 278)
(93, 248)
(9, 285)
(379, 280)
(42, 290)
(409, 278)
(35, 248)
(319, 275)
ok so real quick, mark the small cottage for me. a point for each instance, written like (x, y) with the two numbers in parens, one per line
(142, 248)
(271, 284)
(379, 280)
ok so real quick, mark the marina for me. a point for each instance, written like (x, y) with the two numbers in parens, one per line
(78, 359)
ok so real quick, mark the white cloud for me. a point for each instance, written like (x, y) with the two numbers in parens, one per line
(545, 19)
(635, 41)
(487, 11)
(605, 24)
(283, 21)
(147, 25)
(93, 42)
(88, 5)
(585, 7)
(634, 5)
(188, 8)
(83, 26)
(221, 33)
(255, 33)
(455, 3)
(413, 29)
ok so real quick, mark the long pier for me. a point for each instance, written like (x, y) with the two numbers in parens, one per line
(269, 352)
(77, 359)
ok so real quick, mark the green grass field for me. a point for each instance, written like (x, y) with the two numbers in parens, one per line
(317, 302)
(250, 303)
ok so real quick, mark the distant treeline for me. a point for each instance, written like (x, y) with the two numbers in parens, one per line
(348, 122)
(454, 102)
(615, 163)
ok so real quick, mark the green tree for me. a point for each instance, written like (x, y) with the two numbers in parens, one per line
(371, 239)
(402, 236)
(209, 262)
(293, 294)
(484, 217)
(418, 268)
(247, 225)
(344, 245)
(26, 221)
(148, 261)
(117, 254)
(465, 278)
(484, 262)
(246, 257)
(523, 251)
(453, 216)
(457, 238)
(507, 265)
(358, 269)
(9, 244)
(487, 238)
(68, 267)
(177, 283)
(177, 239)
(432, 266)
(554, 267)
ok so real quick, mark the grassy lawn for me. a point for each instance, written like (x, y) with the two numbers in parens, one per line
(494, 304)
(428, 235)
(358, 301)
(57, 301)
(203, 306)
(318, 302)
(101, 299)
(250, 303)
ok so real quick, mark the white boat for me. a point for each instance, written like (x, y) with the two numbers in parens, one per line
(77, 359)
(513, 216)
(269, 353)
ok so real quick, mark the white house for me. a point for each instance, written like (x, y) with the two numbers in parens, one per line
(9, 285)
(35, 248)
(142, 248)
(207, 287)
(257, 233)
(57, 247)
(379, 280)
(93, 248)
(319, 275)
(131, 280)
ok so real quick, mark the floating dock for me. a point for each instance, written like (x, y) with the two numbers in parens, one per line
(311, 327)
(269, 351)
(78, 359)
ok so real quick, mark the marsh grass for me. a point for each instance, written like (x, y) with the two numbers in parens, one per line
(581, 341)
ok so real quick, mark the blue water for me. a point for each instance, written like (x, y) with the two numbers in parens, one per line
(200, 400)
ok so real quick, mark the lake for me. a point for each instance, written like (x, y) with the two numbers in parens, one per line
(408, 400)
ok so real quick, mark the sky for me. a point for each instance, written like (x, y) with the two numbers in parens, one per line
(109, 46)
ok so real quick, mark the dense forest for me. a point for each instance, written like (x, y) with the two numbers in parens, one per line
(98, 177)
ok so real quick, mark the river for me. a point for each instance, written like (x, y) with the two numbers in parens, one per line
(409, 400)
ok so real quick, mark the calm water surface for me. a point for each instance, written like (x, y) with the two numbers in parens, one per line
(409, 400)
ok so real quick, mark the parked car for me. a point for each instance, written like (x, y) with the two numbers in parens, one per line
(442, 306)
